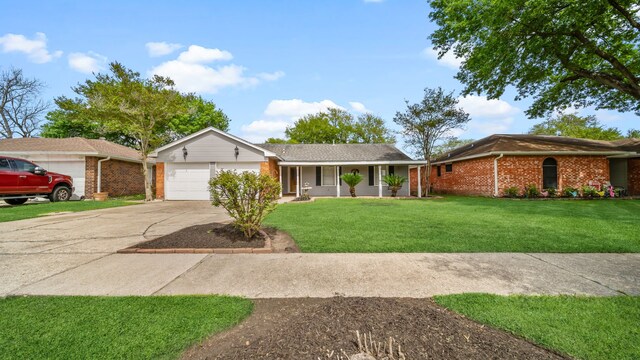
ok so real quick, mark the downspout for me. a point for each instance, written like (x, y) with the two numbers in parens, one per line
(100, 171)
(495, 175)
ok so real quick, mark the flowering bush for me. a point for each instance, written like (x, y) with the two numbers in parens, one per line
(589, 192)
(570, 192)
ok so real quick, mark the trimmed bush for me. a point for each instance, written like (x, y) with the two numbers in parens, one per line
(395, 183)
(512, 192)
(531, 191)
(352, 179)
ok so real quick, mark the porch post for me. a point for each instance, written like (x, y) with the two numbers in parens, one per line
(379, 180)
(419, 182)
(337, 181)
(297, 181)
(408, 181)
(280, 173)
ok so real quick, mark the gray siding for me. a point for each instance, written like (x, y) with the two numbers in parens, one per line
(362, 189)
(210, 147)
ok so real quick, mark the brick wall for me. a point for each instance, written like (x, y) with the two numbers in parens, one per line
(574, 171)
(118, 177)
(159, 180)
(413, 179)
(633, 174)
(90, 176)
(270, 167)
(470, 177)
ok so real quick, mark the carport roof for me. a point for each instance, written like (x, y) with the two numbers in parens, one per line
(75, 145)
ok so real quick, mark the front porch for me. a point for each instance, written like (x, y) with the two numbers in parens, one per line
(324, 179)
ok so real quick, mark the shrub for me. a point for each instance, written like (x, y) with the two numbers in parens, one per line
(352, 179)
(570, 192)
(247, 197)
(551, 192)
(589, 192)
(531, 191)
(395, 183)
(512, 192)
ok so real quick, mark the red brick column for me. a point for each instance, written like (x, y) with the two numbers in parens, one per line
(633, 174)
(160, 180)
(90, 176)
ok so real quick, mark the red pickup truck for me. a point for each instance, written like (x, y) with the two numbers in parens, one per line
(21, 180)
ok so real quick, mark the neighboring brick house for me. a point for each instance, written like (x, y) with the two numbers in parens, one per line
(94, 164)
(490, 165)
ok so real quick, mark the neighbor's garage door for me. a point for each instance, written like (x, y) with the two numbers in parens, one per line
(187, 181)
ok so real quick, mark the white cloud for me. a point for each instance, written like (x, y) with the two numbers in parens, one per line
(35, 49)
(155, 49)
(201, 55)
(192, 72)
(489, 127)
(87, 63)
(282, 113)
(449, 59)
(480, 106)
(359, 107)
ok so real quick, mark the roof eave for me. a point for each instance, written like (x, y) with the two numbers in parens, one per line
(536, 153)
(339, 163)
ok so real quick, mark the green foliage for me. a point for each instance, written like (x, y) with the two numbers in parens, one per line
(563, 53)
(633, 134)
(425, 123)
(461, 224)
(247, 197)
(141, 327)
(273, 140)
(531, 191)
(124, 102)
(589, 192)
(201, 114)
(569, 191)
(352, 180)
(512, 192)
(449, 144)
(394, 182)
(70, 123)
(572, 125)
(551, 192)
(28, 211)
(338, 126)
(582, 327)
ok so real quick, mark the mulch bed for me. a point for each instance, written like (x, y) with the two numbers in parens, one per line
(212, 235)
(314, 328)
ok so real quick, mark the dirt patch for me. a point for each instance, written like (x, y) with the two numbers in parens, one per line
(313, 328)
(212, 235)
(281, 242)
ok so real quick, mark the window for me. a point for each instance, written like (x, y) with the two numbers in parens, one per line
(328, 176)
(448, 168)
(549, 173)
(438, 171)
(4, 165)
(24, 166)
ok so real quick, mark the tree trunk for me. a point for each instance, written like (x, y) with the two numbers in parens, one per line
(352, 191)
(148, 196)
(427, 174)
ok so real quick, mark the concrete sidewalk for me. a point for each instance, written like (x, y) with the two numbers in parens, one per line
(325, 275)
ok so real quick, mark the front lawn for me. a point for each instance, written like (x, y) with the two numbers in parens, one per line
(31, 210)
(461, 224)
(112, 327)
(583, 327)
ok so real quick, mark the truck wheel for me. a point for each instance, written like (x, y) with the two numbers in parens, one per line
(16, 201)
(61, 193)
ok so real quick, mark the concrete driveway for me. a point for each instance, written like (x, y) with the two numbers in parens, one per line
(74, 254)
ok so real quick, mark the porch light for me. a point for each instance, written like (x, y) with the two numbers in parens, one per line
(236, 152)
(184, 152)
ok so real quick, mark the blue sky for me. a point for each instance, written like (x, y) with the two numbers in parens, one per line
(265, 63)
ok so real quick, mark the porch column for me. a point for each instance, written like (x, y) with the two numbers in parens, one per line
(280, 173)
(408, 181)
(337, 181)
(297, 181)
(379, 180)
(419, 182)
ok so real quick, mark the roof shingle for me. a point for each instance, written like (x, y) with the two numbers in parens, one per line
(336, 152)
(91, 147)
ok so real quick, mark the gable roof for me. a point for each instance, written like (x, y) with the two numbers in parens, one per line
(317, 153)
(75, 145)
(267, 153)
(539, 144)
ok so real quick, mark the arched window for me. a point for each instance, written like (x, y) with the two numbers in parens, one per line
(549, 173)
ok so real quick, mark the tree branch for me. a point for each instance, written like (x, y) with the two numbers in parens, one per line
(625, 13)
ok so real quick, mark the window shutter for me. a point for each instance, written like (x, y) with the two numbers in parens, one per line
(371, 183)
(318, 176)
(391, 169)
(340, 174)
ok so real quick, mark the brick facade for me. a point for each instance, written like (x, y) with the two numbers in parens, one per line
(160, 180)
(633, 176)
(119, 178)
(471, 177)
(270, 167)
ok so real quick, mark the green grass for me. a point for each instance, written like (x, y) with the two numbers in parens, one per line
(31, 210)
(583, 327)
(112, 327)
(461, 224)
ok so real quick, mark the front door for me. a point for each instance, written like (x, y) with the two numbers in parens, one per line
(293, 180)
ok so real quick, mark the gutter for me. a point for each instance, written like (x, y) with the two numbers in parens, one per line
(495, 175)
(100, 171)
(533, 153)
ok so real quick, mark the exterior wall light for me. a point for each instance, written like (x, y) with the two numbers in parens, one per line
(184, 153)
(236, 152)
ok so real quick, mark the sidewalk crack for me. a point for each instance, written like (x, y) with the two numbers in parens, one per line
(180, 275)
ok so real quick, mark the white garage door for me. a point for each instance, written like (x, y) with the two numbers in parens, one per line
(75, 169)
(239, 167)
(187, 181)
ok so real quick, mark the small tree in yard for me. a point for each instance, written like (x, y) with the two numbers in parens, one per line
(247, 197)
(394, 182)
(352, 179)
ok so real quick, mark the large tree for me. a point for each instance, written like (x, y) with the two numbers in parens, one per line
(20, 105)
(562, 52)
(448, 144)
(202, 114)
(338, 126)
(425, 123)
(123, 101)
(573, 125)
